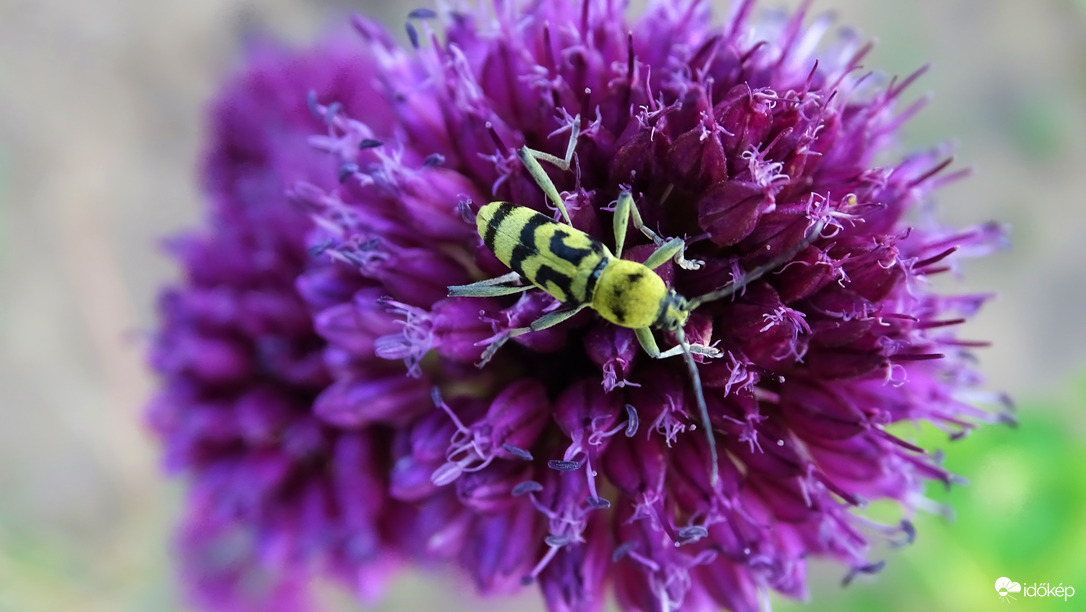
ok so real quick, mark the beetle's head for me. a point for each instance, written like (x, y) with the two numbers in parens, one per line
(674, 311)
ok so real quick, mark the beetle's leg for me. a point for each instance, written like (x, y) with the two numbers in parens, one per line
(546, 321)
(671, 249)
(490, 287)
(554, 318)
(532, 157)
(696, 349)
(621, 220)
(648, 343)
(644, 337)
(626, 210)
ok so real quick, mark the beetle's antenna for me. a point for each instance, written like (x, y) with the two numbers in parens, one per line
(703, 410)
(760, 271)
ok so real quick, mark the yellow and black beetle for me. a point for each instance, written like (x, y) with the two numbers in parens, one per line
(581, 272)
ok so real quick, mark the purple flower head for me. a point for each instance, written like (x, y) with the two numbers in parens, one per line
(320, 388)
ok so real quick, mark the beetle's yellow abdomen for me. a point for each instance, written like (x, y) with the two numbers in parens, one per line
(629, 294)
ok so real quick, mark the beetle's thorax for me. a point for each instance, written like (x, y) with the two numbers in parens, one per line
(628, 294)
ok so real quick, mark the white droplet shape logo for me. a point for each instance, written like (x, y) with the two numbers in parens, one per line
(1004, 586)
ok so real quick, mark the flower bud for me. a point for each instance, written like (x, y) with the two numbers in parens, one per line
(392, 399)
(729, 210)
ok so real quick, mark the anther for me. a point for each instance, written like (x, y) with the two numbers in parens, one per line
(464, 207)
(693, 533)
(909, 530)
(528, 486)
(598, 503)
(563, 466)
(346, 170)
(557, 541)
(631, 421)
(321, 247)
(520, 453)
(871, 568)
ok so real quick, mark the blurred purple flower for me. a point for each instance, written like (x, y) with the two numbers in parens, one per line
(304, 352)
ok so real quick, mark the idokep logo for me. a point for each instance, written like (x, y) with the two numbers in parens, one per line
(1007, 587)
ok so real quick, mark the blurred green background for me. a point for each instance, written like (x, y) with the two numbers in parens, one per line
(100, 124)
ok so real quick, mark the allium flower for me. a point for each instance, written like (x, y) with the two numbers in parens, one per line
(320, 388)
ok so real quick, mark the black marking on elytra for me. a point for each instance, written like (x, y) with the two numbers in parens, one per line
(547, 274)
(516, 260)
(526, 245)
(590, 284)
(571, 254)
(635, 277)
(495, 221)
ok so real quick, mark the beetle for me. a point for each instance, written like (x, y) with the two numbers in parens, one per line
(581, 272)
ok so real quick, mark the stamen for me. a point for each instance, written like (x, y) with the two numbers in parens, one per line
(594, 499)
(413, 342)
(871, 568)
(898, 441)
(622, 550)
(412, 34)
(936, 258)
(693, 533)
(346, 171)
(599, 503)
(557, 541)
(849, 498)
(894, 90)
(930, 173)
(531, 576)
(331, 111)
(446, 474)
(916, 357)
(909, 530)
(934, 324)
(520, 453)
(643, 560)
(631, 421)
(319, 248)
(466, 210)
(435, 396)
(528, 486)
